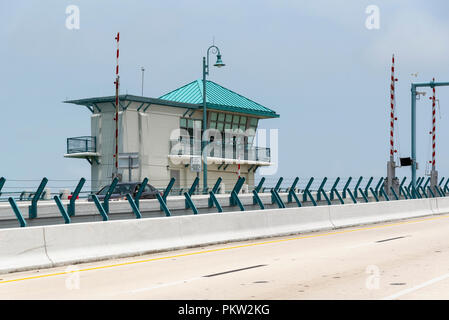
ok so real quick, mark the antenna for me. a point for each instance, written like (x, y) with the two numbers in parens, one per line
(117, 84)
(143, 71)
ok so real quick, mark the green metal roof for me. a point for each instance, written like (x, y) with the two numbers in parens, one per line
(218, 98)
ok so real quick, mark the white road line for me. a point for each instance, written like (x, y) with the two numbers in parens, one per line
(164, 285)
(425, 284)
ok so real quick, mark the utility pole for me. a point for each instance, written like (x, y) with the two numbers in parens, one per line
(143, 71)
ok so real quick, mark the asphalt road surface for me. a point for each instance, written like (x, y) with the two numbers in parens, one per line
(397, 260)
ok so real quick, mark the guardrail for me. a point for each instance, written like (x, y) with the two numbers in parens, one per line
(280, 197)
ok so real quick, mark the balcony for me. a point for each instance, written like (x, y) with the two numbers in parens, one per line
(82, 147)
(239, 152)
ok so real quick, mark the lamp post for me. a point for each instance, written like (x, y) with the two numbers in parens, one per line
(218, 64)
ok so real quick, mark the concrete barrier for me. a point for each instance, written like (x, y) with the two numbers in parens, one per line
(56, 245)
(373, 212)
(22, 248)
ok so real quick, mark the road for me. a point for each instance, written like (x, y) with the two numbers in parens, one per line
(397, 260)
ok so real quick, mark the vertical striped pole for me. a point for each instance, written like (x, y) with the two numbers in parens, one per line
(433, 127)
(117, 80)
(392, 118)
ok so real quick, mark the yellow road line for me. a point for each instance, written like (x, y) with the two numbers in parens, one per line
(226, 248)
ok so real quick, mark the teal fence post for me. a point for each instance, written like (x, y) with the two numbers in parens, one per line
(408, 193)
(445, 185)
(17, 212)
(256, 198)
(167, 192)
(441, 182)
(415, 193)
(311, 197)
(382, 191)
(363, 195)
(191, 191)
(419, 181)
(431, 192)
(257, 190)
(193, 187)
(346, 187)
(214, 191)
(403, 192)
(326, 197)
(108, 195)
(276, 189)
(339, 197)
(306, 190)
(139, 193)
(134, 206)
(437, 188)
(100, 208)
(427, 182)
(259, 186)
(292, 188)
(237, 187)
(214, 200)
(61, 208)
(190, 203)
(163, 205)
(236, 199)
(318, 194)
(368, 185)
(75, 194)
(293, 194)
(374, 194)
(394, 193)
(401, 188)
(32, 209)
(357, 187)
(381, 180)
(2, 183)
(277, 198)
(217, 185)
(423, 191)
(334, 187)
(352, 196)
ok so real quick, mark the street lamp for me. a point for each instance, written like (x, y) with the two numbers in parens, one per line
(217, 64)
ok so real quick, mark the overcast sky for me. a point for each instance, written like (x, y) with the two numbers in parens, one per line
(313, 62)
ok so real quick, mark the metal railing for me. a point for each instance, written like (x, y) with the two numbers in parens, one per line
(235, 151)
(81, 144)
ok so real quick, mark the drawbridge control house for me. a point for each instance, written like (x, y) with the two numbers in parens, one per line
(160, 138)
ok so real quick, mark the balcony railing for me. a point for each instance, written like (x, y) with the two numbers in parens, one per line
(81, 144)
(235, 151)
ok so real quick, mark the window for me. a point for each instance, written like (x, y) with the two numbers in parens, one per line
(224, 121)
(189, 125)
